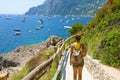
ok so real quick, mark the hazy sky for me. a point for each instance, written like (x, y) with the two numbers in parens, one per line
(17, 6)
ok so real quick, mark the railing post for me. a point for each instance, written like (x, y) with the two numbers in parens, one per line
(69, 41)
(55, 48)
(64, 46)
(56, 60)
(60, 53)
(48, 70)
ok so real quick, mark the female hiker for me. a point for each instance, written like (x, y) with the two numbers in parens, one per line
(78, 52)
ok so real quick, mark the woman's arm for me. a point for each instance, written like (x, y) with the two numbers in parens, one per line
(84, 51)
(71, 52)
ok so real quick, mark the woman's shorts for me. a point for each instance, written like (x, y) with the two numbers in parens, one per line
(81, 64)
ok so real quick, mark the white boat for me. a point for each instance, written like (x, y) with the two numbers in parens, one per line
(38, 28)
(66, 16)
(73, 18)
(67, 27)
(30, 31)
(23, 19)
(40, 21)
(8, 18)
(67, 21)
(61, 20)
(17, 33)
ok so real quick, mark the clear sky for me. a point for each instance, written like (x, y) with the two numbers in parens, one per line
(17, 6)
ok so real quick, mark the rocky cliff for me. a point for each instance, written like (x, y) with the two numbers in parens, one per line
(67, 7)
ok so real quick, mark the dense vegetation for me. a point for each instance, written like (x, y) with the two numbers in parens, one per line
(67, 7)
(102, 36)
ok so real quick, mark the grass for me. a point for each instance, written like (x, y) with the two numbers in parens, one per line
(21, 73)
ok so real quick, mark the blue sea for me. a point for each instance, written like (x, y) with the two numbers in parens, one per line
(52, 25)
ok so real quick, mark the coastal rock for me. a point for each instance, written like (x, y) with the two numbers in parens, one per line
(53, 41)
(13, 61)
(7, 63)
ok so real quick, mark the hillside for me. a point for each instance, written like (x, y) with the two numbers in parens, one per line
(66, 7)
(103, 34)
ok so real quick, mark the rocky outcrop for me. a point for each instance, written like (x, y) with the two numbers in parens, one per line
(13, 61)
(54, 40)
(67, 7)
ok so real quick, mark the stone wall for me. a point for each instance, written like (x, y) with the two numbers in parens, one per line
(96, 70)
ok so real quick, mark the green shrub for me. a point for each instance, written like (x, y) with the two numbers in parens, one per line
(76, 28)
(111, 56)
(111, 52)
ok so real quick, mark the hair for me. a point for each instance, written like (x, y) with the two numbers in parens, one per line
(77, 37)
